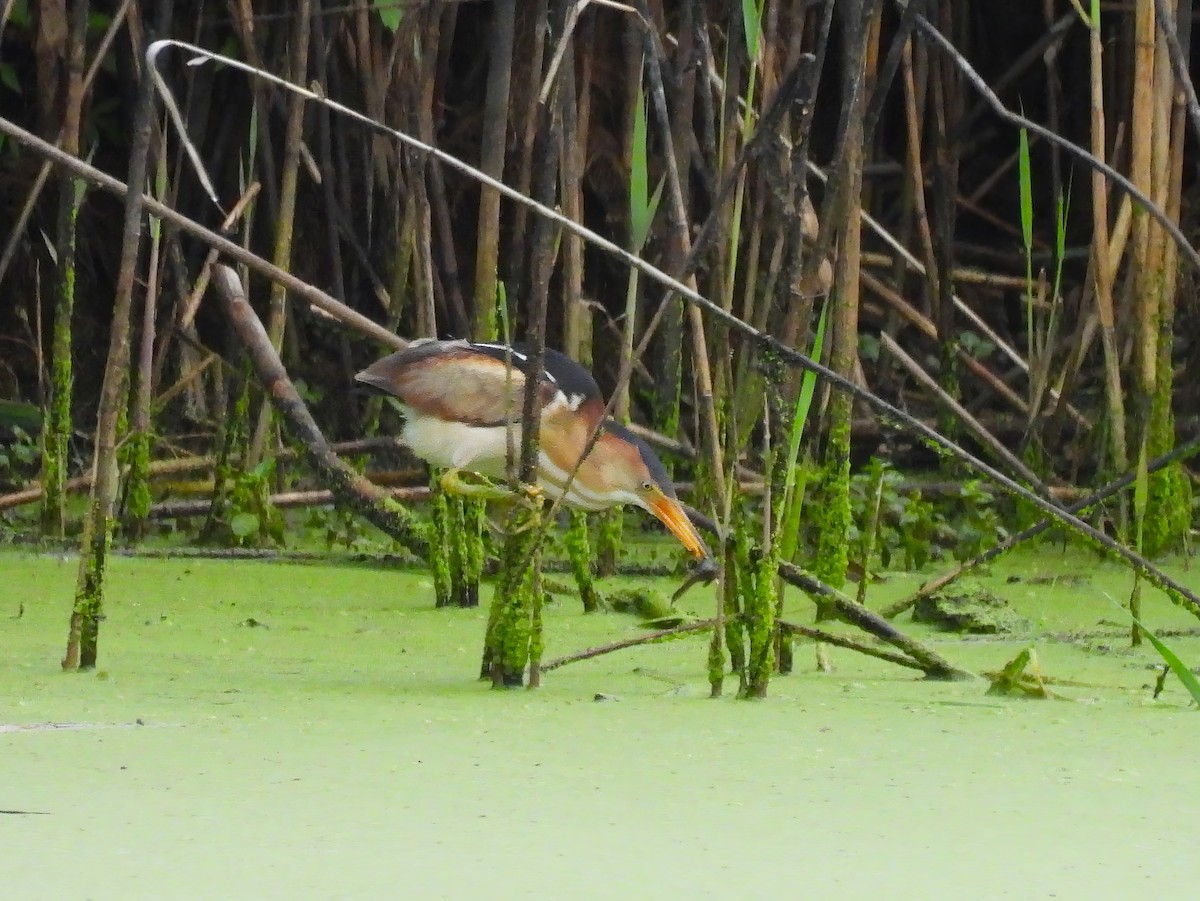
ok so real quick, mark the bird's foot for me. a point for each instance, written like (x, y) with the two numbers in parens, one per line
(452, 482)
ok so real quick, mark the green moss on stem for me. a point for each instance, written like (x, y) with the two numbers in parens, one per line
(834, 516)
(441, 548)
(608, 541)
(580, 556)
(510, 627)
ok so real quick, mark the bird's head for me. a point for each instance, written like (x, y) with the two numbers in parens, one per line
(637, 476)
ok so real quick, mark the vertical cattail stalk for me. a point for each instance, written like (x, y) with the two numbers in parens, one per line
(1101, 267)
(576, 314)
(515, 637)
(834, 528)
(88, 610)
(138, 447)
(286, 220)
(57, 433)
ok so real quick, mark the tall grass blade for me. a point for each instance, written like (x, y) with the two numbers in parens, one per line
(1186, 676)
(752, 21)
(1025, 175)
(642, 206)
(808, 387)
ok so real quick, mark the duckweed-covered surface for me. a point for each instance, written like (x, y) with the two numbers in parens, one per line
(266, 730)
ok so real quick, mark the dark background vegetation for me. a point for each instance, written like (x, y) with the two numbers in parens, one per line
(401, 239)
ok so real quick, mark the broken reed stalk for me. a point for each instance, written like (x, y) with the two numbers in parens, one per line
(349, 487)
(841, 641)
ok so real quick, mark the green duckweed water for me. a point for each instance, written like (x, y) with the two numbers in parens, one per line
(340, 747)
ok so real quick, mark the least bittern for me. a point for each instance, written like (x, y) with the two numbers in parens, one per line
(462, 403)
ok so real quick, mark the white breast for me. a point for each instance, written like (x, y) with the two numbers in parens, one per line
(452, 445)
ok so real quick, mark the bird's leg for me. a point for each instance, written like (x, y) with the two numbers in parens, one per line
(452, 482)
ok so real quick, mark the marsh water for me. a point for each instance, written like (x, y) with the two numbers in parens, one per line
(268, 730)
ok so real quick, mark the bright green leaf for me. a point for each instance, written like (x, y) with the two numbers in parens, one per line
(20, 14)
(642, 206)
(390, 13)
(8, 78)
(752, 21)
(1026, 177)
(243, 525)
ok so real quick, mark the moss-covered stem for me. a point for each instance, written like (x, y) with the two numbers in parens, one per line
(510, 624)
(738, 582)
(580, 557)
(83, 635)
(57, 432)
(493, 147)
(509, 643)
(761, 609)
(137, 505)
(870, 527)
(832, 545)
(441, 548)
(610, 527)
(1169, 492)
(537, 644)
(471, 517)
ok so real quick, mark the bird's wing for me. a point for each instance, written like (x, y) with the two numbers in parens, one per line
(469, 383)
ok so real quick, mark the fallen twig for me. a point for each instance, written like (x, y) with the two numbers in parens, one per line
(661, 635)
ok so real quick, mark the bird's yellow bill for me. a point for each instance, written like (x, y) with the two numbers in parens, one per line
(673, 517)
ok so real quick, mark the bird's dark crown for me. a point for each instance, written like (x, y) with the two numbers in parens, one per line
(658, 472)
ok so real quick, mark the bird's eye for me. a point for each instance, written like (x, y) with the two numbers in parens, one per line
(647, 485)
